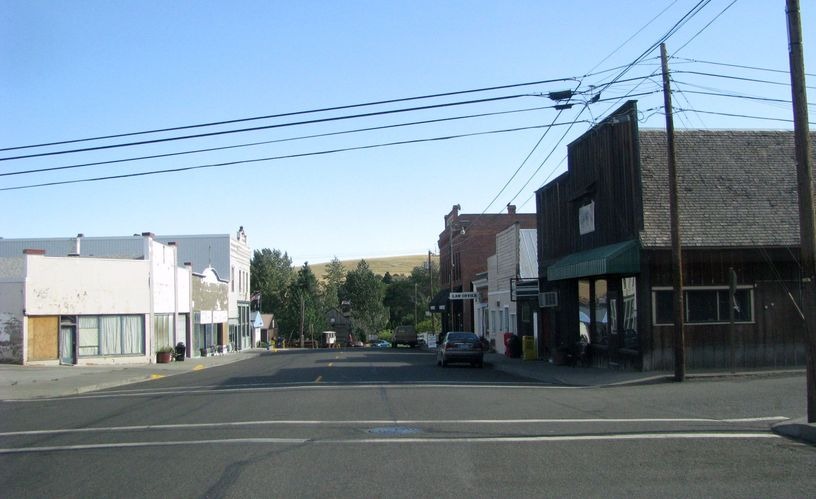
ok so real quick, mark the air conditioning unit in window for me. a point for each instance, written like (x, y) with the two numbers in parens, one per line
(548, 299)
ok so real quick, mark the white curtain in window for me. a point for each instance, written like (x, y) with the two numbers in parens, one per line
(110, 335)
(132, 334)
(162, 330)
(88, 335)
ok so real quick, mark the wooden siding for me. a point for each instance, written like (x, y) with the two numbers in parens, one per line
(603, 168)
(775, 339)
(43, 338)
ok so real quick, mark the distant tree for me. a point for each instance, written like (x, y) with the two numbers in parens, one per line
(335, 277)
(271, 273)
(304, 303)
(399, 299)
(366, 292)
(387, 278)
(405, 293)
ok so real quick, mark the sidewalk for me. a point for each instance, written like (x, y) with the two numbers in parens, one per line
(543, 371)
(31, 382)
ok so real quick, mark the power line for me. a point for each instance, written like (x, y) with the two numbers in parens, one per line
(739, 78)
(736, 96)
(740, 66)
(735, 115)
(699, 32)
(269, 127)
(274, 158)
(690, 14)
(266, 142)
(294, 113)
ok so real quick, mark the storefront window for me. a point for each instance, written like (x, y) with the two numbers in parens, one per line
(601, 325)
(584, 320)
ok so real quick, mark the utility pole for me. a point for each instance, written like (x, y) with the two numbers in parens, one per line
(302, 319)
(804, 172)
(674, 210)
(430, 290)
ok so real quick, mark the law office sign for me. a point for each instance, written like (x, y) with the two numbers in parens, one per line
(467, 295)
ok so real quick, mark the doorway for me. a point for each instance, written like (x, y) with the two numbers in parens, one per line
(67, 341)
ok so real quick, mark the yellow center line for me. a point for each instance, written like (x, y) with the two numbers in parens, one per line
(198, 367)
(156, 376)
(318, 379)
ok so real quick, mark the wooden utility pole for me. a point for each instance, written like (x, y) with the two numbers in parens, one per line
(430, 291)
(674, 209)
(804, 171)
(302, 319)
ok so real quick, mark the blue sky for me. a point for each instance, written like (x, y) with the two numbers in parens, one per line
(75, 70)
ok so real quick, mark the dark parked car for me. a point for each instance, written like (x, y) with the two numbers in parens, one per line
(460, 347)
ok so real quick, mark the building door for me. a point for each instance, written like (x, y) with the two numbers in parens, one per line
(67, 341)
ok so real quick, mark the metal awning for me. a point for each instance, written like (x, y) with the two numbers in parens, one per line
(619, 258)
(440, 302)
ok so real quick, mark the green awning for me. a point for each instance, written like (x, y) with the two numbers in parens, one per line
(619, 258)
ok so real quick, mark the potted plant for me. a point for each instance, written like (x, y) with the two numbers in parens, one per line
(164, 354)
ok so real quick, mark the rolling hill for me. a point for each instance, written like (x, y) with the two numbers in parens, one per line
(395, 265)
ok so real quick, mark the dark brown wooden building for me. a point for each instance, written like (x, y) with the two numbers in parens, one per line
(472, 237)
(604, 247)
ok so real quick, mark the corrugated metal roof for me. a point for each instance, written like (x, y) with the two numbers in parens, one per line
(203, 251)
(131, 247)
(12, 268)
(528, 253)
(200, 250)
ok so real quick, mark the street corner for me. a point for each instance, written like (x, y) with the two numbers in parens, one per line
(797, 429)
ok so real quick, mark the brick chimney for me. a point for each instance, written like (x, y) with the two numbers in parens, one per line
(511, 209)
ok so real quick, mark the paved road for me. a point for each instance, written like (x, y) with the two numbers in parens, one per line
(369, 423)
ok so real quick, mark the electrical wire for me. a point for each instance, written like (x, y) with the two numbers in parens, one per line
(295, 113)
(735, 115)
(274, 158)
(699, 32)
(266, 142)
(269, 127)
(739, 66)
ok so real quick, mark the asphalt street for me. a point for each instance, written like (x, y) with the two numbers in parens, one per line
(390, 423)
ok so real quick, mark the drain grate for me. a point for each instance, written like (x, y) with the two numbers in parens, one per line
(393, 430)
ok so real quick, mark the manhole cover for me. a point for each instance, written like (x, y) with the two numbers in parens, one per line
(394, 430)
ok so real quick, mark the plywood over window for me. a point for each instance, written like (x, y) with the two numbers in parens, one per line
(43, 333)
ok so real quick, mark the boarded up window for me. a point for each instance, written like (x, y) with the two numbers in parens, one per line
(43, 338)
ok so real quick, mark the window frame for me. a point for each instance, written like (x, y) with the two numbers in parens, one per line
(718, 289)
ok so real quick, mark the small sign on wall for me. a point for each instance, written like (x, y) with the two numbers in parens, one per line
(586, 218)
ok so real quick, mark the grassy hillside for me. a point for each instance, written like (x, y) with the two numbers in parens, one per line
(394, 265)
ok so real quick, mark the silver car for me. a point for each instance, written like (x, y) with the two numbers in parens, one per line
(460, 347)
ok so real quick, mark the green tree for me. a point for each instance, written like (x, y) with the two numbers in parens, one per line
(271, 273)
(366, 292)
(399, 299)
(304, 304)
(332, 283)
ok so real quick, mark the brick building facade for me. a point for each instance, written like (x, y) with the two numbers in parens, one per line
(472, 237)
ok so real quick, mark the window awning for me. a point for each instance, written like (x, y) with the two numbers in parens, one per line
(619, 258)
(440, 302)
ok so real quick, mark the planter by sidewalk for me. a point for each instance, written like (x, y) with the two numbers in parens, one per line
(164, 355)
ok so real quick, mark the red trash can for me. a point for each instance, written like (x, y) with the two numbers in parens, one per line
(507, 337)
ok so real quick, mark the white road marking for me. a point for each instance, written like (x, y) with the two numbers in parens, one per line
(300, 441)
(265, 387)
(382, 422)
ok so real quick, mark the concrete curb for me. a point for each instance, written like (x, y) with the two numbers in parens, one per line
(797, 429)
